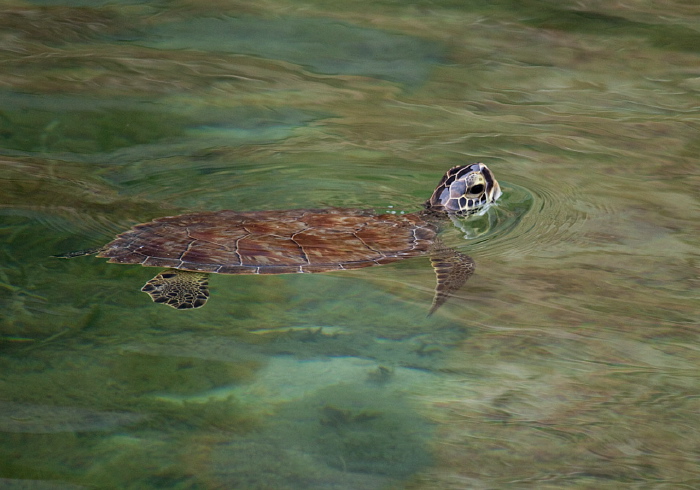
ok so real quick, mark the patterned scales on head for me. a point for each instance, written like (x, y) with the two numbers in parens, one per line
(192, 246)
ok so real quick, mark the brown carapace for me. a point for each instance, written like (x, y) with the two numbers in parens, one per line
(192, 246)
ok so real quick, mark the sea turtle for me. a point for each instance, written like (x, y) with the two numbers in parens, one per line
(192, 246)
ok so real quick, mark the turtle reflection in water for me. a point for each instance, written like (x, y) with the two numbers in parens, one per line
(192, 246)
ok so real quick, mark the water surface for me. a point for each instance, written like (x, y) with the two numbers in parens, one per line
(568, 360)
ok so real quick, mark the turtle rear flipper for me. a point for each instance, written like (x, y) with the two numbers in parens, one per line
(452, 269)
(179, 289)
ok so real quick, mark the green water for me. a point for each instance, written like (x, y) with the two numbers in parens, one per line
(569, 359)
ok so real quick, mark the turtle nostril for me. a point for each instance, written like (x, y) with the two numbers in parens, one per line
(476, 189)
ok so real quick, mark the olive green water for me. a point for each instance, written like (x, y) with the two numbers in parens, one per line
(569, 360)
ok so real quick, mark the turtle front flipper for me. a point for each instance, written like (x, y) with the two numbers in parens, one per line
(179, 289)
(452, 269)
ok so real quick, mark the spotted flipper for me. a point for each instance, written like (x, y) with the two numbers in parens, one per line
(179, 289)
(452, 269)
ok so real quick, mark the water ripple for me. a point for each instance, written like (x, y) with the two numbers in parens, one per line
(530, 218)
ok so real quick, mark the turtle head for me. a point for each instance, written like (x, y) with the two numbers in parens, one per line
(465, 189)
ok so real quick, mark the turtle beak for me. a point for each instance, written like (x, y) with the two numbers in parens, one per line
(494, 189)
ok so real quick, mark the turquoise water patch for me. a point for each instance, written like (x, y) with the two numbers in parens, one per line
(246, 124)
(81, 125)
(321, 45)
(361, 433)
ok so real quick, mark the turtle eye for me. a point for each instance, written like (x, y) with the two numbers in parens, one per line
(476, 189)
